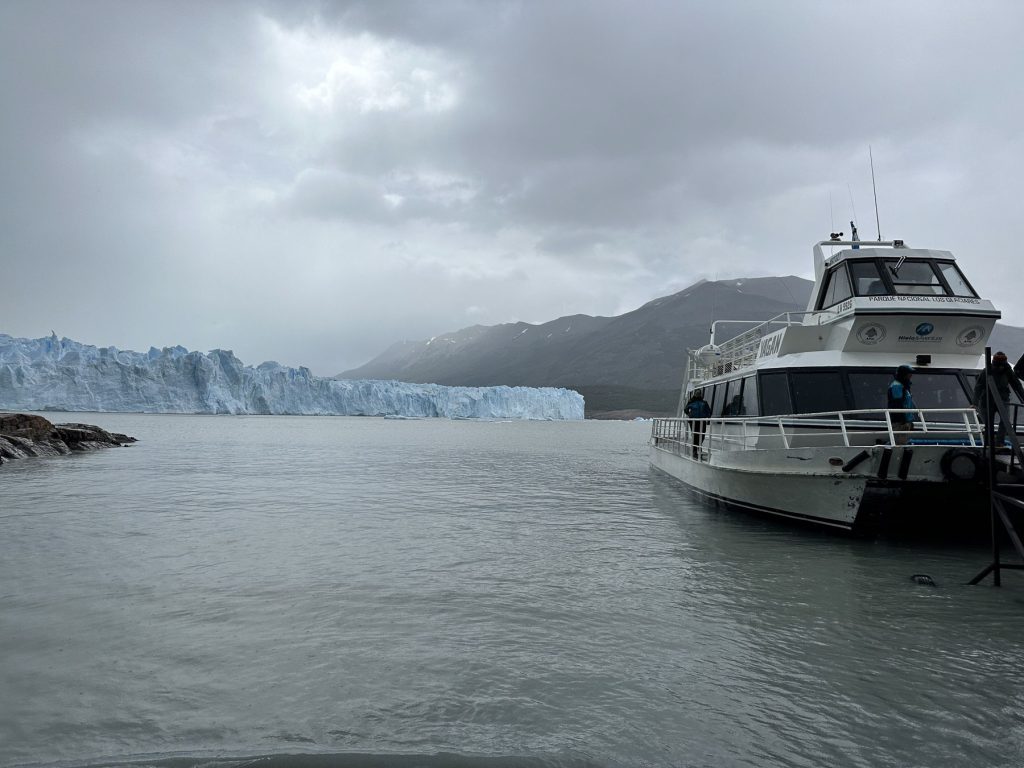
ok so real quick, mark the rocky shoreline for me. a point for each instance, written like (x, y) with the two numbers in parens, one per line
(23, 436)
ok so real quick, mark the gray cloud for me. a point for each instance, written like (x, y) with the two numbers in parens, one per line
(309, 182)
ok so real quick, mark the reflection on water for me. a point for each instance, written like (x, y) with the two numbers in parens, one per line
(467, 593)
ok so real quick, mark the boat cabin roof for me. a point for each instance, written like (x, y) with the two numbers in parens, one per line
(889, 272)
(874, 303)
(870, 252)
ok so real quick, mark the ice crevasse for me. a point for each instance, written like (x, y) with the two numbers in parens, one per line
(62, 374)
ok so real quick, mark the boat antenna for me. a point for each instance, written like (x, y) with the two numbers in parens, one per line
(714, 279)
(852, 206)
(874, 191)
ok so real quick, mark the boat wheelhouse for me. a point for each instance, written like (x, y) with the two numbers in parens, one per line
(799, 425)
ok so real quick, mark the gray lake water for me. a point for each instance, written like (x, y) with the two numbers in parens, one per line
(368, 592)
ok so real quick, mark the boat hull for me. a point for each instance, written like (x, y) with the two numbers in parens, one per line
(856, 502)
(821, 499)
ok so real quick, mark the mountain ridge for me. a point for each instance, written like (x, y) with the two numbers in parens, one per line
(642, 348)
(631, 362)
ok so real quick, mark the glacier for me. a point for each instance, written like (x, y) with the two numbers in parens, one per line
(61, 374)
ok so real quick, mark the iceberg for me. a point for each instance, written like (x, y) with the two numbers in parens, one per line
(61, 374)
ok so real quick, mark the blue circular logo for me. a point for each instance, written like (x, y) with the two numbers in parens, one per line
(924, 329)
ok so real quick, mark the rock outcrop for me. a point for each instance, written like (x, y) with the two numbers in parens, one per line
(23, 436)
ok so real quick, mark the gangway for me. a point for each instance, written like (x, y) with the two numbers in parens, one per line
(1004, 497)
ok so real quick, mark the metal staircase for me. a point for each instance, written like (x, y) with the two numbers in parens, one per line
(1005, 498)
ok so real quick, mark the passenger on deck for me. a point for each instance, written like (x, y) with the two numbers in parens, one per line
(735, 406)
(1018, 368)
(875, 288)
(696, 410)
(899, 396)
(1004, 377)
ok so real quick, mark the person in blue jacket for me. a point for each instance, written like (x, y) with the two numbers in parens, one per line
(899, 396)
(696, 410)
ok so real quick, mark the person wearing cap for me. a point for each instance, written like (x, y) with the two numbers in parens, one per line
(1004, 378)
(899, 397)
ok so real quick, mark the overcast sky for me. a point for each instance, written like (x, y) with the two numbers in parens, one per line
(311, 182)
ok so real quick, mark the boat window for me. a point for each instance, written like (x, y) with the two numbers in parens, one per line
(971, 379)
(775, 399)
(749, 396)
(818, 391)
(939, 390)
(823, 302)
(718, 407)
(955, 279)
(929, 390)
(733, 398)
(915, 278)
(866, 280)
(869, 391)
(837, 288)
(709, 396)
(713, 395)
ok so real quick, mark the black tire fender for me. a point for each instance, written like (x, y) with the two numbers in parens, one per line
(961, 465)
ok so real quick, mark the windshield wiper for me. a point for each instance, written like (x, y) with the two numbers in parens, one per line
(896, 269)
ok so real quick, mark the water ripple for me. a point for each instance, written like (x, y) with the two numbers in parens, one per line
(367, 592)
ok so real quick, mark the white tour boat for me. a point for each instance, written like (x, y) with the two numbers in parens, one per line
(799, 425)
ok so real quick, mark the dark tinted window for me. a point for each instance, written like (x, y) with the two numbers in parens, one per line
(869, 391)
(837, 288)
(823, 302)
(972, 380)
(750, 396)
(939, 390)
(822, 392)
(716, 403)
(972, 377)
(775, 394)
(709, 395)
(733, 399)
(818, 391)
(866, 280)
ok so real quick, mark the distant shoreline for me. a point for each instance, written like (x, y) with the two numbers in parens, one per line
(629, 414)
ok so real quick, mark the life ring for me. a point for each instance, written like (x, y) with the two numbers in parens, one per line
(960, 465)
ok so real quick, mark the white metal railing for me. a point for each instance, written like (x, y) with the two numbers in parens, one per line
(741, 350)
(830, 429)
